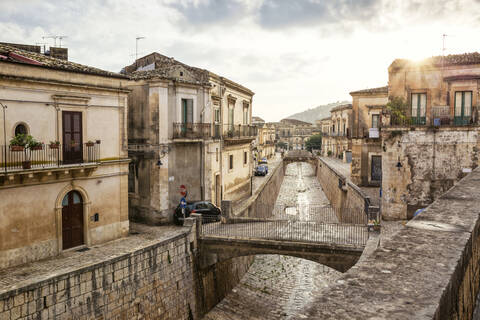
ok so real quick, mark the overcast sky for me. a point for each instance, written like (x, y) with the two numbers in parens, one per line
(294, 54)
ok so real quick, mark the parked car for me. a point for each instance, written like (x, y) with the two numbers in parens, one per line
(206, 208)
(261, 171)
(263, 161)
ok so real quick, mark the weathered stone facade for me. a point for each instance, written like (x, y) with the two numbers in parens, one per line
(293, 133)
(422, 164)
(367, 107)
(75, 191)
(187, 126)
(435, 143)
(336, 140)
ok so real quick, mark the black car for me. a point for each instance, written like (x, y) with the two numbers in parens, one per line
(261, 171)
(210, 211)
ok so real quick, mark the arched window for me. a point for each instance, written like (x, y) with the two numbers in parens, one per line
(21, 128)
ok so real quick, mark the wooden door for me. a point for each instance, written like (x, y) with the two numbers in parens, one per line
(72, 137)
(72, 220)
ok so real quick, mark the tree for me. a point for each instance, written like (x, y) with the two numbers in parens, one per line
(314, 142)
(282, 145)
(398, 111)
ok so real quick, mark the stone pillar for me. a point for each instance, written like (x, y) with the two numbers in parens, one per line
(226, 211)
(198, 224)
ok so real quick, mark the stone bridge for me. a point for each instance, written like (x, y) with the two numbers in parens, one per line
(300, 156)
(338, 246)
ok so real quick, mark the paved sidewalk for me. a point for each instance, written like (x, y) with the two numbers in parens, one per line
(337, 164)
(24, 275)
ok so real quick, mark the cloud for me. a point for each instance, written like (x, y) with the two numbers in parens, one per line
(207, 12)
(279, 14)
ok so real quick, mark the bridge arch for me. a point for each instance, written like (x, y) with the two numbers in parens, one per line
(338, 257)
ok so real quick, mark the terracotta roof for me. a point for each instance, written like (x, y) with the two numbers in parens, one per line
(166, 68)
(371, 90)
(341, 107)
(449, 60)
(16, 55)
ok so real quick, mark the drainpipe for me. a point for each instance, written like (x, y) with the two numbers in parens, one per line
(4, 107)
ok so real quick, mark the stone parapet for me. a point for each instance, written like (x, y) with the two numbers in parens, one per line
(428, 269)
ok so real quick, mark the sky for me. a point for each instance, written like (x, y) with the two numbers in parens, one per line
(294, 54)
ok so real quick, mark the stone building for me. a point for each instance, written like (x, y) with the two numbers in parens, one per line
(338, 140)
(265, 142)
(367, 106)
(70, 192)
(294, 133)
(326, 128)
(190, 127)
(434, 141)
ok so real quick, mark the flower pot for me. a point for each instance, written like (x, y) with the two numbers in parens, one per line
(40, 147)
(26, 164)
(17, 148)
(376, 227)
(90, 144)
(54, 146)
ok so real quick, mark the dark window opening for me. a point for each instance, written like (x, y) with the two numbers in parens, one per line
(20, 129)
(231, 162)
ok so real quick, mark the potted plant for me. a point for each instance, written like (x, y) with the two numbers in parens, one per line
(73, 143)
(54, 144)
(33, 144)
(376, 225)
(18, 142)
(90, 143)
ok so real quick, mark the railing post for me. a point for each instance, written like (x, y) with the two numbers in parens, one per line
(226, 210)
(198, 224)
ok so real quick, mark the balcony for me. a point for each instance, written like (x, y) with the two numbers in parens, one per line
(239, 131)
(196, 131)
(438, 116)
(45, 159)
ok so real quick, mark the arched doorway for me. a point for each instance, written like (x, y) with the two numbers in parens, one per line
(72, 220)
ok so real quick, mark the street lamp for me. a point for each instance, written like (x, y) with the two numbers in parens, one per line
(4, 107)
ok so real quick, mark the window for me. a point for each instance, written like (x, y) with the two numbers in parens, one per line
(375, 120)
(245, 115)
(187, 110)
(231, 162)
(245, 158)
(344, 128)
(21, 129)
(463, 107)
(217, 115)
(216, 154)
(419, 106)
(230, 117)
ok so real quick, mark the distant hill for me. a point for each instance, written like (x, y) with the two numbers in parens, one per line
(316, 113)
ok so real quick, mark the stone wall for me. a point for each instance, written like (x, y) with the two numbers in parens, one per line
(216, 281)
(430, 268)
(262, 202)
(421, 164)
(348, 200)
(153, 282)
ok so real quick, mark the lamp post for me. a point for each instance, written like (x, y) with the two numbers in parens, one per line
(4, 107)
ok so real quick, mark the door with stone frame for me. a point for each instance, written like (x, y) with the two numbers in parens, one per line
(72, 220)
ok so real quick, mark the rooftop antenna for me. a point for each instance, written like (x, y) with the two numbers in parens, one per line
(136, 46)
(55, 39)
(60, 38)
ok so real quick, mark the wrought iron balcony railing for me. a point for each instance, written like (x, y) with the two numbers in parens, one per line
(239, 131)
(192, 131)
(15, 158)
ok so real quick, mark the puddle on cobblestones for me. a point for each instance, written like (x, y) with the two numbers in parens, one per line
(279, 287)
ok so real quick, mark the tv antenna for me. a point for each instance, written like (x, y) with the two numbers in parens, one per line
(136, 46)
(55, 39)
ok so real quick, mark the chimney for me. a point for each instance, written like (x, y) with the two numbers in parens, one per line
(59, 53)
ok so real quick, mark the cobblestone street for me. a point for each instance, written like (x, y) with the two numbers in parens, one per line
(278, 287)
